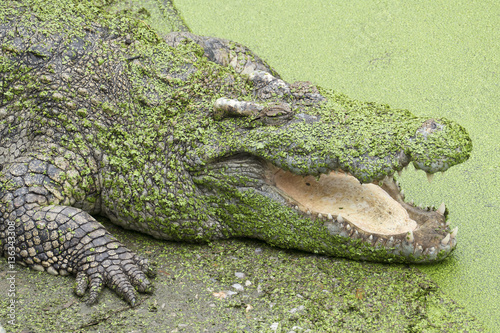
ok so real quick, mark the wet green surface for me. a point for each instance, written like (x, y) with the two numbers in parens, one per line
(436, 58)
(194, 293)
(191, 277)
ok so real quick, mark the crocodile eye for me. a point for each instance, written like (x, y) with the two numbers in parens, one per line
(282, 109)
(275, 114)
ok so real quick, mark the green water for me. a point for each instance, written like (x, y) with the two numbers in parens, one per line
(436, 58)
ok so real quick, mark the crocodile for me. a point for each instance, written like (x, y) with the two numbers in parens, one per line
(191, 138)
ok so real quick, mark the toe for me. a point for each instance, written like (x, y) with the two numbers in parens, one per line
(138, 278)
(82, 283)
(96, 283)
(119, 282)
(145, 266)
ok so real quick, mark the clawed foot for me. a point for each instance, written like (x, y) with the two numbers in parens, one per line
(117, 268)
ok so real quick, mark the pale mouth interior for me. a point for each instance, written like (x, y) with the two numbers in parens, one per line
(367, 206)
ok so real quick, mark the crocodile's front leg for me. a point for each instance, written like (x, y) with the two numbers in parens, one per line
(61, 239)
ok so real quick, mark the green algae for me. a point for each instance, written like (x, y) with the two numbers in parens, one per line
(347, 313)
(291, 288)
(151, 137)
(434, 58)
(161, 16)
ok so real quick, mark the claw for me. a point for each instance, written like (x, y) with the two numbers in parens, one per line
(129, 296)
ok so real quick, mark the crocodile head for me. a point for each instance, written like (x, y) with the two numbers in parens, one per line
(319, 176)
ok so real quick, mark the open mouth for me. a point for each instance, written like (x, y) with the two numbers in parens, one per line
(368, 216)
(375, 212)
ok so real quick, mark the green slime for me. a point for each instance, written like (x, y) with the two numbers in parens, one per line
(435, 58)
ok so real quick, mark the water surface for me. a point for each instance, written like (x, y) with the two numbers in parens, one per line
(435, 58)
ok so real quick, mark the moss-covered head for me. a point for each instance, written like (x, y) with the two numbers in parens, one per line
(331, 163)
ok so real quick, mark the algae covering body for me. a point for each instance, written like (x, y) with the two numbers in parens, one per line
(193, 138)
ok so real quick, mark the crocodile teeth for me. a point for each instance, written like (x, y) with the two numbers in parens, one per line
(409, 237)
(370, 238)
(340, 219)
(308, 212)
(320, 216)
(445, 240)
(454, 232)
(441, 209)
(418, 250)
(430, 176)
(330, 217)
(348, 227)
(296, 207)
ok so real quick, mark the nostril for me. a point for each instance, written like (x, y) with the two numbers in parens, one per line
(430, 126)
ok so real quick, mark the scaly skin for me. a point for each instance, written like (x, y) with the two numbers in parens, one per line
(185, 138)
